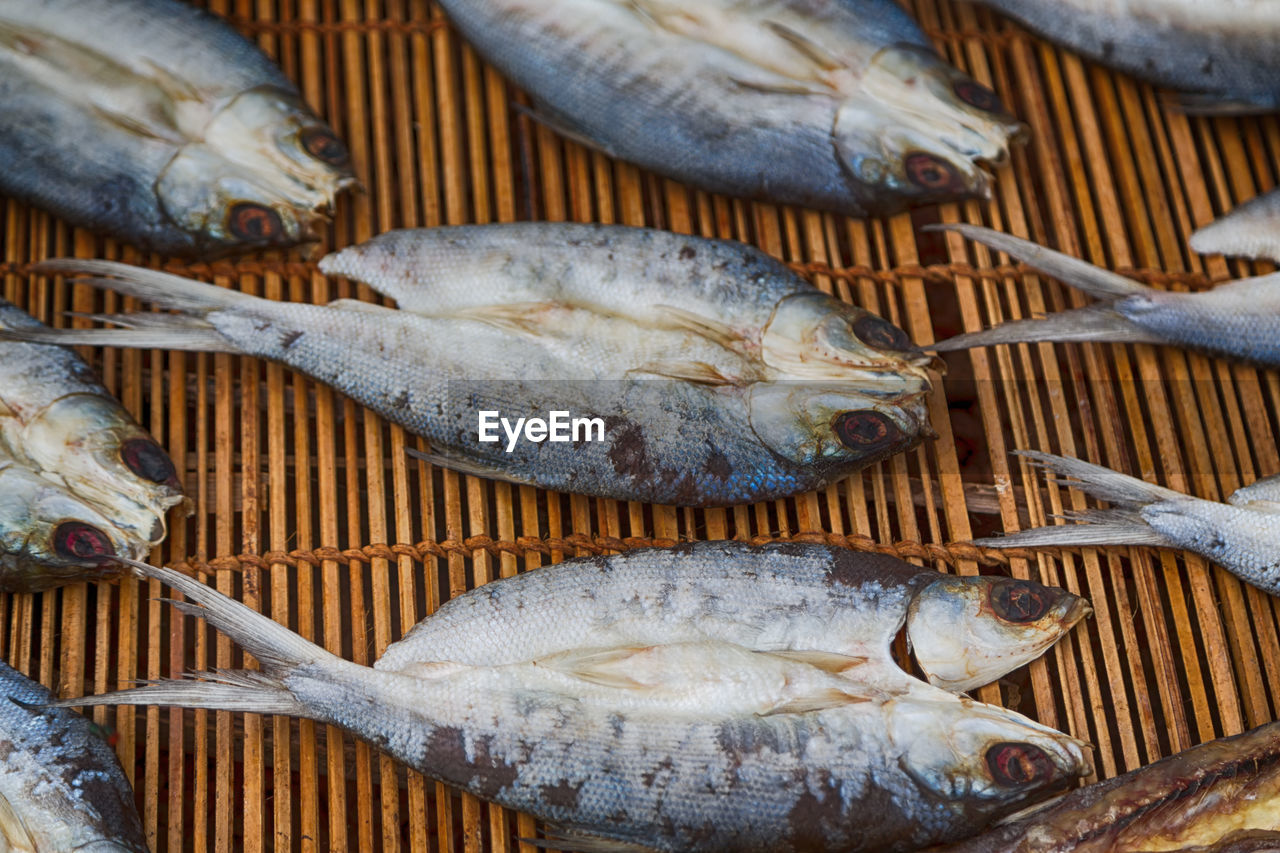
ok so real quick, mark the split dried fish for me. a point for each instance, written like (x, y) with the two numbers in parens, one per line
(719, 376)
(156, 122)
(838, 106)
(1242, 535)
(1239, 320)
(695, 743)
(1218, 797)
(1220, 57)
(61, 787)
(81, 483)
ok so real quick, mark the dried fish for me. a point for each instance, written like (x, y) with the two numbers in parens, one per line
(156, 122)
(1242, 535)
(691, 744)
(1251, 230)
(1240, 320)
(841, 106)
(717, 376)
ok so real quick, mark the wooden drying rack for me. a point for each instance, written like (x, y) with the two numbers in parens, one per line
(309, 508)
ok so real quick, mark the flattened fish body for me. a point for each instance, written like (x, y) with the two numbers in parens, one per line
(835, 105)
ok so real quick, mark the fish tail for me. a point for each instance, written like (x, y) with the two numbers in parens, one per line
(161, 288)
(1101, 482)
(279, 650)
(1096, 323)
(1104, 528)
(143, 331)
(1082, 275)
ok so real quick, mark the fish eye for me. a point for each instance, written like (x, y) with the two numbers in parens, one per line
(880, 333)
(321, 143)
(144, 457)
(254, 223)
(929, 172)
(865, 430)
(1018, 601)
(977, 95)
(1016, 764)
(76, 540)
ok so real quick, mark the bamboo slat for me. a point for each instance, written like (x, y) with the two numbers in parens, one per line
(308, 508)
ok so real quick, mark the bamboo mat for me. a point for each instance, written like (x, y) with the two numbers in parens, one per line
(309, 509)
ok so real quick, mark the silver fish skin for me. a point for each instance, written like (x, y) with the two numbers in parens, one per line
(1251, 230)
(61, 787)
(156, 122)
(757, 386)
(611, 760)
(1242, 535)
(1217, 797)
(963, 631)
(839, 105)
(1239, 320)
(1220, 57)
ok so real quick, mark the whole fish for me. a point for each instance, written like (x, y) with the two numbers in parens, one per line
(717, 375)
(1218, 797)
(156, 122)
(1242, 535)
(83, 482)
(1251, 230)
(61, 787)
(963, 631)
(695, 743)
(1220, 57)
(1239, 320)
(839, 105)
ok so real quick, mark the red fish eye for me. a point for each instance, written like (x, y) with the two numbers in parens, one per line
(144, 457)
(975, 94)
(1018, 601)
(925, 170)
(1016, 764)
(880, 333)
(320, 143)
(254, 223)
(75, 540)
(865, 430)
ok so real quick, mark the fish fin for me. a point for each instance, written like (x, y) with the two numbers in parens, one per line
(181, 333)
(712, 330)
(562, 125)
(1111, 486)
(161, 288)
(1251, 229)
(770, 88)
(606, 667)
(1209, 104)
(1097, 533)
(826, 661)
(430, 669)
(697, 372)
(474, 468)
(13, 830)
(570, 841)
(518, 317)
(1262, 491)
(815, 52)
(279, 650)
(1080, 274)
(1096, 323)
(822, 700)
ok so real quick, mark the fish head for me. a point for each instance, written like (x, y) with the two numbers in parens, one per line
(811, 335)
(50, 536)
(227, 206)
(103, 456)
(969, 631)
(275, 132)
(834, 426)
(919, 128)
(982, 757)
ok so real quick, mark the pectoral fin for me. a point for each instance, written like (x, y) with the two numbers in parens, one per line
(13, 831)
(826, 661)
(717, 333)
(779, 88)
(819, 55)
(697, 372)
(823, 700)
